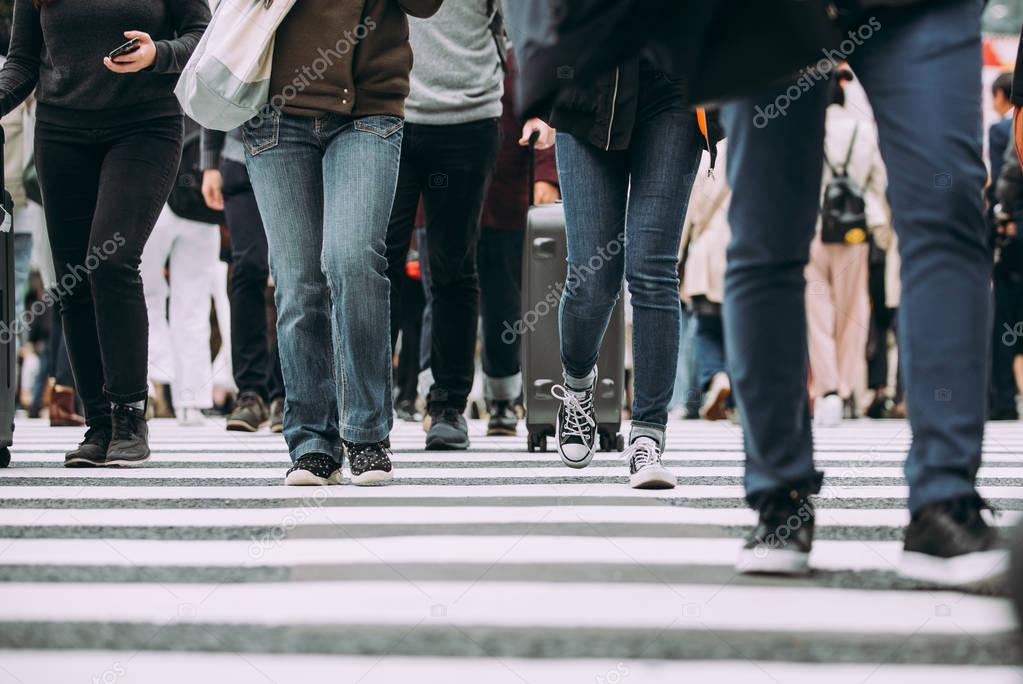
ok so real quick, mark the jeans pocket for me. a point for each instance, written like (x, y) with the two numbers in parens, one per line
(380, 124)
(262, 132)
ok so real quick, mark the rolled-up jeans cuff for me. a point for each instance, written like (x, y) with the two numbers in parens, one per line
(580, 382)
(654, 432)
(502, 389)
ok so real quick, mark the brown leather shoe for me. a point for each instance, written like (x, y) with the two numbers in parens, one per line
(62, 408)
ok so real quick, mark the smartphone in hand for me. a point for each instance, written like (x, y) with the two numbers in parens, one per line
(126, 49)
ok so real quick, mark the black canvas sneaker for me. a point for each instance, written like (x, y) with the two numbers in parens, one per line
(577, 426)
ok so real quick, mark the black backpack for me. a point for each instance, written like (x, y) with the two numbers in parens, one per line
(844, 210)
(186, 198)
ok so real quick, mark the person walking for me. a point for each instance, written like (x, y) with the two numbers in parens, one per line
(500, 258)
(628, 148)
(705, 240)
(107, 146)
(254, 359)
(323, 161)
(448, 153)
(837, 292)
(930, 142)
(179, 338)
(1004, 190)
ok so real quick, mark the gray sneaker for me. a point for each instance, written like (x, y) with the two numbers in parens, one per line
(448, 431)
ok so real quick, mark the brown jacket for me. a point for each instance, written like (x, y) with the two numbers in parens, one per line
(345, 56)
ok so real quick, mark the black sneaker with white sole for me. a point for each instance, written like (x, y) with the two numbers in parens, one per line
(949, 544)
(370, 463)
(92, 452)
(129, 440)
(577, 426)
(314, 469)
(781, 542)
(645, 467)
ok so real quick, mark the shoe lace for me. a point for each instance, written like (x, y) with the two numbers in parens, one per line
(578, 407)
(247, 400)
(642, 453)
(123, 422)
(96, 434)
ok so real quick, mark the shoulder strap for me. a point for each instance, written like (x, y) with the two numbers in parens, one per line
(849, 154)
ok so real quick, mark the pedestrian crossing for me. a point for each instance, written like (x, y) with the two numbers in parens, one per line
(494, 566)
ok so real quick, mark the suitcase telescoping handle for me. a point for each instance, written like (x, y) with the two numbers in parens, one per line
(532, 167)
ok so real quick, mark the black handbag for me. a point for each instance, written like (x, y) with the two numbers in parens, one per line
(186, 198)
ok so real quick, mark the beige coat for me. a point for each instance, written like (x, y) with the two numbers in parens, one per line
(707, 232)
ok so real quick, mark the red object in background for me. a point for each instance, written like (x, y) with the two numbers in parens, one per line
(991, 58)
(413, 270)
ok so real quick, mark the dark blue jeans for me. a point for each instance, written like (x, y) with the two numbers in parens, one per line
(624, 213)
(921, 70)
(710, 347)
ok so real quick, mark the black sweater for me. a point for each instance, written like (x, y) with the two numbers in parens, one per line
(61, 48)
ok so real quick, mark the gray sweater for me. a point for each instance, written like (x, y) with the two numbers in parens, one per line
(61, 48)
(457, 76)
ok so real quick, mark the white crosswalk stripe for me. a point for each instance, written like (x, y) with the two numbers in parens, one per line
(493, 566)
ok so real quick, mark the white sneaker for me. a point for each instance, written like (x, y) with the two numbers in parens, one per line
(645, 466)
(828, 411)
(577, 426)
(715, 402)
(191, 417)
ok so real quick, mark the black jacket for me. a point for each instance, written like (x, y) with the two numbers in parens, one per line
(603, 112)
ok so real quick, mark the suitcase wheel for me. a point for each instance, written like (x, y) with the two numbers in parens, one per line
(536, 442)
(611, 441)
(5, 458)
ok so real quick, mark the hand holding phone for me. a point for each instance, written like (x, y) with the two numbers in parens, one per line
(125, 49)
(138, 54)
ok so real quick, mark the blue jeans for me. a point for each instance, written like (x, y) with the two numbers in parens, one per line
(922, 73)
(22, 265)
(623, 214)
(710, 348)
(324, 188)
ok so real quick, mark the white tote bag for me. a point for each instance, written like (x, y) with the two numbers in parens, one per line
(227, 80)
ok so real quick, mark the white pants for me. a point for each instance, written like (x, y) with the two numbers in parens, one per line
(179, 353)
(223, 375)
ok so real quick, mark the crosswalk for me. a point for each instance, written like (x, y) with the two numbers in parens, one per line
(493, 566)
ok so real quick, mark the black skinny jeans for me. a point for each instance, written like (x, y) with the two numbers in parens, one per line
(450, 167)
(256, 363)
(103, 190)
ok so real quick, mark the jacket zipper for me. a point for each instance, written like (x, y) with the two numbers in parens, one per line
(614, 103)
